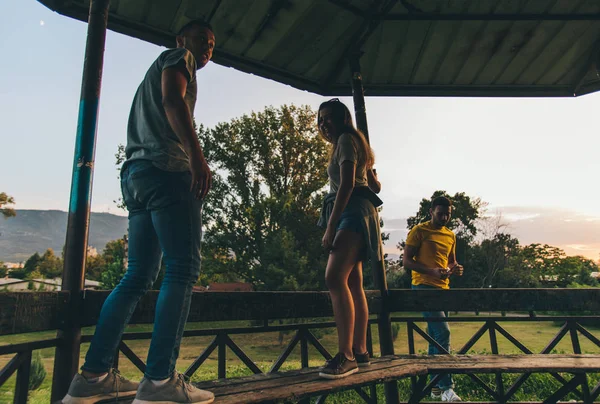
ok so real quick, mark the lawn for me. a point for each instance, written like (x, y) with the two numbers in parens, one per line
(265, 348)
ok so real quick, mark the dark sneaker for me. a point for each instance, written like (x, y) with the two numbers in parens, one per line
(339, 367)
(362, 359)
(178, 390)
(113, 386)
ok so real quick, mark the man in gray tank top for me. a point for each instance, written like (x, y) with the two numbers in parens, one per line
(164, 180)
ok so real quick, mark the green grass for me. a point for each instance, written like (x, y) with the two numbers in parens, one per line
(265, 348)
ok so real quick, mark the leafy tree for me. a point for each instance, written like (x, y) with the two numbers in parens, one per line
(575, 271)
(32, 262)
(398, 277)
(3, 270)
(95, 265)
(30, 266)
(531, 266)
(269, 173)
(6, 211)
(49, 266)
(119, 159)
(115, 258)
(488, 258)
(112, 275)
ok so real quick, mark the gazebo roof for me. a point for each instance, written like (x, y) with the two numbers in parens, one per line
(520, 48)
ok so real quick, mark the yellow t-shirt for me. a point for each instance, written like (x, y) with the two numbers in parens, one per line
(434, 247)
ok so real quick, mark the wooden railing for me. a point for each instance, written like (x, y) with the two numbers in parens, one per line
(25, 312)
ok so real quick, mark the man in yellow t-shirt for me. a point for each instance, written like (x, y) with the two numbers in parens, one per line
(430, 255)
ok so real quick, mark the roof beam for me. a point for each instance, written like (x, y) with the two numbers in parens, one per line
(491, 91)
(214, 10)
(358, 40)
(349, 7)
(414, 14)
(585, 68)
(275, 7)
(486, 17)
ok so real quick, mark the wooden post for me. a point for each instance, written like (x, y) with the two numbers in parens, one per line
(23, 375)
(66, 359)
(386, 341)
(222, 357)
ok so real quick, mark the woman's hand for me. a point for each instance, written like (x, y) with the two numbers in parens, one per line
(373, 181)
(328, 238)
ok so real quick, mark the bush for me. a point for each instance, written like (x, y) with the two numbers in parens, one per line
(395, 330)
(38, 372)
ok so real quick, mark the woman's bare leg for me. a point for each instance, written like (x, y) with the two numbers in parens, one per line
(361, 308)
(342, 259)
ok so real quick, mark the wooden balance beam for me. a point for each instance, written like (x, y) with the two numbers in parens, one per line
(304, 383)
(294, 385)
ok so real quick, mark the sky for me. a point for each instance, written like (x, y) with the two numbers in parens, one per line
(535, 161)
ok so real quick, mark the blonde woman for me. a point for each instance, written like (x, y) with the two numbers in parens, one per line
(352, 234)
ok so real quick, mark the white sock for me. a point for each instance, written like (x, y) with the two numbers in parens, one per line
(97, 379)
(159, 382)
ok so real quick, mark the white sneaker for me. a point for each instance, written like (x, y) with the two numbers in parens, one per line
(450, 396)
(436, 393)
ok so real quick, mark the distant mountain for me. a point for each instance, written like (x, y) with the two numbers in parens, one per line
(38, 230)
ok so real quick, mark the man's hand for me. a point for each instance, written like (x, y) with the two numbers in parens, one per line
(201, 176)
(457, 270)
(440, 273)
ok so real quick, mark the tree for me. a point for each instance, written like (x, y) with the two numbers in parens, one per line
(120, 157)
(49, 266)
(30, 266)
(95, 265)
(3, 270)
(115, 258)
(492, 256)
(6, 211)
(269, 173)
(585, 268)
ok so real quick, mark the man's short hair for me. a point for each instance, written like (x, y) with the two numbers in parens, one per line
(195, 23)
(441, 201)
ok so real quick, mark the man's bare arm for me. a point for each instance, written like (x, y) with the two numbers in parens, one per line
(173, 87)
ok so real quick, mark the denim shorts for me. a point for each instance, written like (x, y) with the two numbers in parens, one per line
(350, 221)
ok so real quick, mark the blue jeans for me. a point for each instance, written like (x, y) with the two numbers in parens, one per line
(440, 332)
(164, 219)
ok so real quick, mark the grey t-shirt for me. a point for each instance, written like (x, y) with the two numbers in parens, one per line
(149, 134)
(346, 150)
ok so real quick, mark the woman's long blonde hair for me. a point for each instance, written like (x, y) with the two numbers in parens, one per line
(341, 114)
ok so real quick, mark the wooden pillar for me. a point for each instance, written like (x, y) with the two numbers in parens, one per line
(66, 360)
(386, 341)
